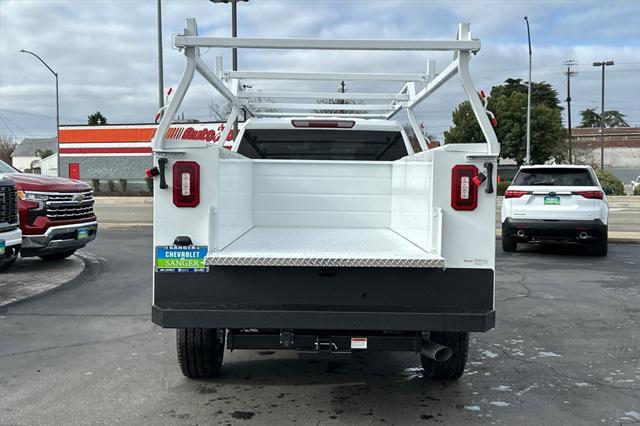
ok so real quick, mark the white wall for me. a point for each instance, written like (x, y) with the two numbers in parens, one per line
(23, 163)
(49, 165)
(613, 157)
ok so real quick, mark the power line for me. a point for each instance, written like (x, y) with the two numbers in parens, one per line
(26, 113)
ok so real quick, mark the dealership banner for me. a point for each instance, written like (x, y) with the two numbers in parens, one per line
(131, 139)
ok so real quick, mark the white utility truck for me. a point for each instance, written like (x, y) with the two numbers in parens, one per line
(321, 230)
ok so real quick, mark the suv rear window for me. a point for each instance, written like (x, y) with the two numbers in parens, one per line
(554, 177)
(316, 144)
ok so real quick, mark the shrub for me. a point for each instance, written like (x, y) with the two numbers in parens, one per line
(96, 185)
(123, 185)
(636, 191)
(112, 185)
(502, 187)
(610, 183)
(149, 181)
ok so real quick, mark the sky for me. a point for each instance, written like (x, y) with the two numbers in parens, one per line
(105, 52)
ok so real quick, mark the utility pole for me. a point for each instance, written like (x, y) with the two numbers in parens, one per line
(569, 73)
(602, 64)
(342, 86)
(160, 71)
(527, 159)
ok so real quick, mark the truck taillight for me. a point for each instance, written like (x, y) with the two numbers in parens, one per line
(464, 193)
(510, 193)
(186, 184)
(594, 195)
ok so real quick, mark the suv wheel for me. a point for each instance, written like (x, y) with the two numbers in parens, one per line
(601, 247)
(453, 368)
(200, 352)
(57, 256)
(509, 243)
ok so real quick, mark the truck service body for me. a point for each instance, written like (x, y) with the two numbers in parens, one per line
(321, 230)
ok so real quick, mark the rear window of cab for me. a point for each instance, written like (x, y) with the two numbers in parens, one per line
(554, 177)
(322, 144)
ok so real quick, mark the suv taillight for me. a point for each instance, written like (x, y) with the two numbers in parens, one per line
(186, 184)
(510, 193)
(598, 195)
(464, 193)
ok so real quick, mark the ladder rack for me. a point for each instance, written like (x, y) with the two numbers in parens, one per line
(415, 89)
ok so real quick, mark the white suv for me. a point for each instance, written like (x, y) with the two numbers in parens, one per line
(555, 203)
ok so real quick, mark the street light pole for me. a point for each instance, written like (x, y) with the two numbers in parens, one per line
(527, 159)
(602, 64)
(57, 106)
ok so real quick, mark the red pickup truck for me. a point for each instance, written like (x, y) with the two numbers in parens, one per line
(55, 214)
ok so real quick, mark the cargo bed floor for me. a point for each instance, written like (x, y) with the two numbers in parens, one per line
(330, 247)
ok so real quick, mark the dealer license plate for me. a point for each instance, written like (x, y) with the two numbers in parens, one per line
(552, 201)
(181, 258)
(83, 234)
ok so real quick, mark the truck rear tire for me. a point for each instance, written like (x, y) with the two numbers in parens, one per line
(57, 256)
(200, 352)
(509, 243)
(453, 368)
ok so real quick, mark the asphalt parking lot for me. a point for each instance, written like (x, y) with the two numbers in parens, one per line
(566, 350)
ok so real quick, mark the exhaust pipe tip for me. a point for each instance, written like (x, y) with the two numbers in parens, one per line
(436, 351)
(520, 233)
(583, 235)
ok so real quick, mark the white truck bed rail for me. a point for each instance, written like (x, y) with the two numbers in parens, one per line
(416, 87)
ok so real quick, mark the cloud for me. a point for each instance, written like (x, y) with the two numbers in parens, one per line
(105, 51)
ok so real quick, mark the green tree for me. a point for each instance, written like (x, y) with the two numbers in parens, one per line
(44, 153)
(465, 127)
(589, 118)
(509, 104)
(615, 118)
(611, 184)
(541, 93)
(612, 118)
(97, 119)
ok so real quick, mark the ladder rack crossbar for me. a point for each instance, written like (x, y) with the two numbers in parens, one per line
(322, 76)
(416, 87)
(323, 95)
(322, 106)
(335, 44)
(321, 114)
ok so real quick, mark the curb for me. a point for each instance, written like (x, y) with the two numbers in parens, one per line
(123, 200)
(123, 225)
(21, 283)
